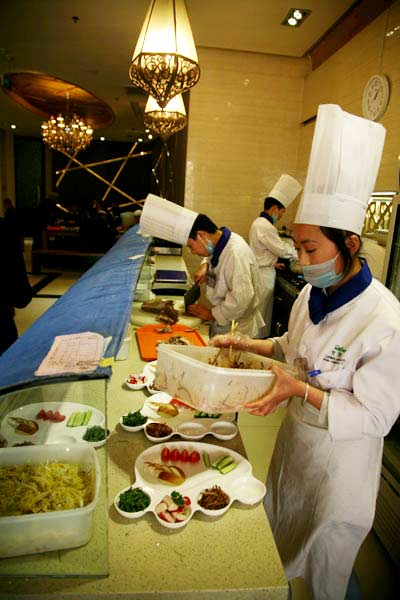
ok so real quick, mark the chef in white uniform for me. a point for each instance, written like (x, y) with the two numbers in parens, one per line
(266, 243)
(344, 338)
(232, 278)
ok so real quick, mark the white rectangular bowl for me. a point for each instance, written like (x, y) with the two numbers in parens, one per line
(57, 530)
(185, 372)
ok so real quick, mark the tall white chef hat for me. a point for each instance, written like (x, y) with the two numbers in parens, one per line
(344, 162)
(166, 220)
(285, 190)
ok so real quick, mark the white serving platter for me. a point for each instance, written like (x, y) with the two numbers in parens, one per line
(185, 424)
(239, 484)
(49, 432)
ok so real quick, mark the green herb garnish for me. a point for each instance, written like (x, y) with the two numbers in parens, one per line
(133, 500)
(95, 434)
(178, 499)
(133, 419)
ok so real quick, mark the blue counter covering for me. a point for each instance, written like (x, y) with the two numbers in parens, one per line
(100, 301)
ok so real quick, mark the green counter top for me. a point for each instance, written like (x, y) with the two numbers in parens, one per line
(229, 557)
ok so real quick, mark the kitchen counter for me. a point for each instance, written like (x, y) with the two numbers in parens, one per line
(229, 557)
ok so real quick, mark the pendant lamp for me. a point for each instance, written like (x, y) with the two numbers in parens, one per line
(164, 62)
(165, 121)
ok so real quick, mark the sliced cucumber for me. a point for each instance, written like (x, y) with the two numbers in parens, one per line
(71, 420)
(228, 468)
(87, 416)
(206, 459)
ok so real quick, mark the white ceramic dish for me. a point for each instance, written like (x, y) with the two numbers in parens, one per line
(43, 532)
(139, 385)
(133, 428)
(98, 444)
(49, 432)
(131, 515)
(239, 484)
(149, 371)
(185, 424)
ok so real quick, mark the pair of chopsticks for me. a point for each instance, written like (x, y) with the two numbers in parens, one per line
(233, 327)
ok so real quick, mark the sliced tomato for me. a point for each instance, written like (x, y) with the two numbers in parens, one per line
(41, 414)
(184, 455)
(50, 415)
(175, 455)
(58, 417)
(194, 456)
(187, 500)
(165, 454)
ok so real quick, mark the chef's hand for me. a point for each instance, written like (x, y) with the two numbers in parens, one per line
(234, 340)
(200, 275)
(243, 342)
(280, 266)
(198, 310)
(284, 387)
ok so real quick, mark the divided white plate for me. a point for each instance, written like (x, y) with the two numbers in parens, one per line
(185, 424)
(49, 432)
(239, 484)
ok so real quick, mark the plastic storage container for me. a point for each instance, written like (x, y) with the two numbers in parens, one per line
(186, 372)
(57, 530)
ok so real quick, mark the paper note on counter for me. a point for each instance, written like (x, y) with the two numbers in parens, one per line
(73, 353)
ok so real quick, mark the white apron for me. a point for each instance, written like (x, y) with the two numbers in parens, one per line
(267, 276)
(324, 476)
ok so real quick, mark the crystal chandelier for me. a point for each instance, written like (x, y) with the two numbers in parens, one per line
(165, 62)
(168, 120)
(67, 133)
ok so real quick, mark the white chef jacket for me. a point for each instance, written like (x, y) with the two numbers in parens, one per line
(324, 476)
(236, 294)
(267, 246)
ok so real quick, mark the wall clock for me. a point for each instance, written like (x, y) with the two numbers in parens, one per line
(375, 97)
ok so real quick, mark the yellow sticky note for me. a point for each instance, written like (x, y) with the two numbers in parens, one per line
(107, 361)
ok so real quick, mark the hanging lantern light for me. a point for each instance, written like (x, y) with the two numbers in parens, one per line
(165, 62)
(168, 120)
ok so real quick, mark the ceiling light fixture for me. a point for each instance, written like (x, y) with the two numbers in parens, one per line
(165, 62)
(165, 121)
(68, 133)
(296, 17)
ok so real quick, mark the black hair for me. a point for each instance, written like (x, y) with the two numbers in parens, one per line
(202, 223)
(339, 237)
(269, 202)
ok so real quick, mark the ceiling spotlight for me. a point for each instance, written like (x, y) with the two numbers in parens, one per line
(296, 17)
(13, 126)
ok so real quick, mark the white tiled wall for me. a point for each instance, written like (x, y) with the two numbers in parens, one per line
(244, 130)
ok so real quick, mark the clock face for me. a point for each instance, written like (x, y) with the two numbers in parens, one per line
(375, 97)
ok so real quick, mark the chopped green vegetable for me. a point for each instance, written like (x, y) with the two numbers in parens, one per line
(95, 434)
(133, 419)
(178, 499)
(203, 415)
(133, 500)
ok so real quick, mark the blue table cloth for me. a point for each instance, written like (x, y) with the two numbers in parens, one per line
(100, 301)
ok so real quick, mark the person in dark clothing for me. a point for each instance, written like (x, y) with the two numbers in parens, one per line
(16, 291)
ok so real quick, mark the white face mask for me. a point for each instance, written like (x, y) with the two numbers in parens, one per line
(322, 275)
